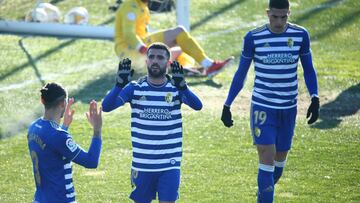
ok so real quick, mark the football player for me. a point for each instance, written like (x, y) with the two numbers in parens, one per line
(132, 37)
(52, 148)
(156, 123)
(275, 49)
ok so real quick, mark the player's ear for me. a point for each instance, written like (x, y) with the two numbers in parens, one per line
(268, 12)
(63, 103)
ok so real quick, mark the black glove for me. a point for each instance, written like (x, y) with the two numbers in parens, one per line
(178, 79)
(226, 116)
(124, 73)
(313, 110)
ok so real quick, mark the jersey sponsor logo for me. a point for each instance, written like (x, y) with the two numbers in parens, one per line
(131, 16)
(290, 42)
(168, 97)
(279, 58)
(71, 145)
(156, 114)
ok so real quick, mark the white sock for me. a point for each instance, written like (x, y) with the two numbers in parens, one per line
(206, 63)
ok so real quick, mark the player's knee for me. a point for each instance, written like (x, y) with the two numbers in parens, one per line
(180, 29)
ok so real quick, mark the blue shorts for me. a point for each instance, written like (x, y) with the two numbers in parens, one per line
(146, 185)
(272, 126)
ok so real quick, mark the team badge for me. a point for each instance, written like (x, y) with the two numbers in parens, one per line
(257, 132)
(168, 97)
(267, 44)
(290, 43)
(71, 145)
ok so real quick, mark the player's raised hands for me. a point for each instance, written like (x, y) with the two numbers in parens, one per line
(69, 113)
(313, 110)
(124, 73)
(226, 116)
(177, 78)
(94, 117)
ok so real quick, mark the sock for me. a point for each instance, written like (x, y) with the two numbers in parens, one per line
(265, 183)
(206, 63)
(279, 167)
(190, 46)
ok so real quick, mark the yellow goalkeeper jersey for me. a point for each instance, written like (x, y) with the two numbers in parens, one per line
(132, 19)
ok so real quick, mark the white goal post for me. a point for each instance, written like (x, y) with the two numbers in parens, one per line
(60, 30)
(183, 13)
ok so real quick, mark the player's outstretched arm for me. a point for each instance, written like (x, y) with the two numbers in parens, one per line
(123, 77)
(90, 159)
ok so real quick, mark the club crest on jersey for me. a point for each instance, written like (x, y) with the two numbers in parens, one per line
(290, 42)
(71, 145)
(168, 97)
(257, 132)
(267, 44)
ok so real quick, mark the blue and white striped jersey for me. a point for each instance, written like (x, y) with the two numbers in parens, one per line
(156, 125)
(276, 58)
(52, 150)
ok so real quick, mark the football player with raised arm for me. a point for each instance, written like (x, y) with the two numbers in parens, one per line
(52, 148)
(132, 36)
(275, 49)
(156, 123)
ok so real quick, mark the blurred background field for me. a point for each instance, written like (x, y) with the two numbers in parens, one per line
(219, 164)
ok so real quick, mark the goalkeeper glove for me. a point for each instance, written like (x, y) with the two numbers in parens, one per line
(178, 79)
(124, 73)
(226, 116)
(313, 110)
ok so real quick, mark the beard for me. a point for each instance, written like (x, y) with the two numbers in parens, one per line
(155, 71)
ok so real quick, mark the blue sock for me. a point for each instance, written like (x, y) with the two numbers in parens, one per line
(279, 168)
(266, 183)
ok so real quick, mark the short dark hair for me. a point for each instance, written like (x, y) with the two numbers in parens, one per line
(51, 94)
(279, 4)
(160, 45)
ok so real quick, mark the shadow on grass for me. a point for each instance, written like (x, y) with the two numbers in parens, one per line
(208, 82)
(316, 10)
(32, 60)
(215, 14)
(345, 21)
(346, 104)
(338, 24)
